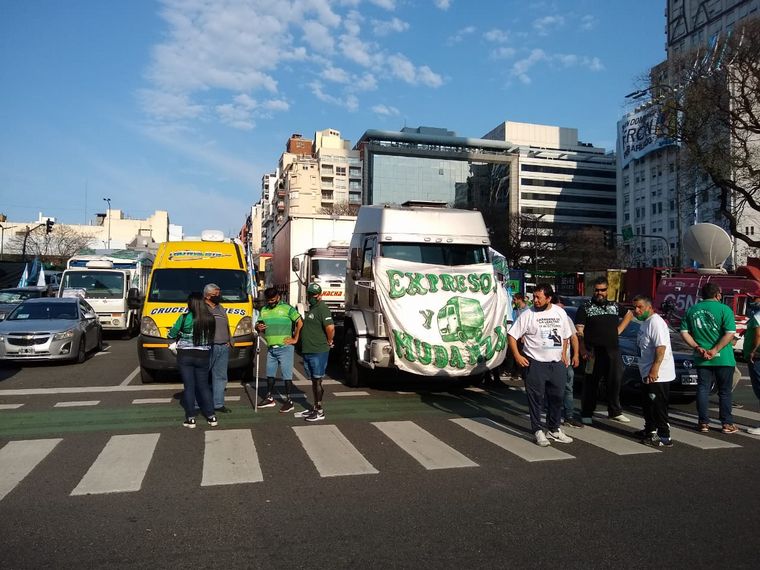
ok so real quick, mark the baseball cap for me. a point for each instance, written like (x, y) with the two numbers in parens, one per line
(314, 289)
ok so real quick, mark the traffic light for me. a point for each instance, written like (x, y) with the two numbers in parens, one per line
(609, 239)
(49, 226)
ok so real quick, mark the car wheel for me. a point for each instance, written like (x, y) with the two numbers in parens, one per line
(99, 345)
(82, 352)
(355, 374)
(147, 376)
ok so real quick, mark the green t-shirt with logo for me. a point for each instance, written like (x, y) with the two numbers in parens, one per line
(313, 335)
(750, 334)
(707, 322)
(279, 321)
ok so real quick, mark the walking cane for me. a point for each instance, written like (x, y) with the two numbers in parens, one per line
(256, 395)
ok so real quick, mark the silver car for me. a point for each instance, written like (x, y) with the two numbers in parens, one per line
(50, 328)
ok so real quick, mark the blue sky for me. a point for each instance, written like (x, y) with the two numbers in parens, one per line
(183, 105)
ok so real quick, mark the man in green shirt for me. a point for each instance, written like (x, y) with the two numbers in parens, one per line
(709, 328)
(316, 342)
(280, 325)
(752, 351)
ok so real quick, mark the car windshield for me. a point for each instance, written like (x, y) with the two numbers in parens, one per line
(30, 311)
(14, 296)
(174, 285)
(436, 254)
(329, 268)
(96, 284)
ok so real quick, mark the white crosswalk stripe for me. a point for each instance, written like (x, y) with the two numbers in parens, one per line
(611, 442)
(428, 450)
(717, 426)
(331, 453)
(18, 458)
(230, 458)
(750, 415)
(510, 440)
(121, 466)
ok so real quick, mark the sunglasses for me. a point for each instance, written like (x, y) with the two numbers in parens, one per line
(600, 290)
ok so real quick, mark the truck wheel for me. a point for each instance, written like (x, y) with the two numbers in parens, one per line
(355, 375)
(147, 376)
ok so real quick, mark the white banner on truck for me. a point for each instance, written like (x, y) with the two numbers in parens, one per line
(442, 320)
(640, 133)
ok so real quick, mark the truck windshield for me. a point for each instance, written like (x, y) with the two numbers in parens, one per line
(97, 284)
(328, 268)
(174, 285)
(436, 253)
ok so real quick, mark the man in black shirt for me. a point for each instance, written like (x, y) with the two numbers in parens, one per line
(597, 324)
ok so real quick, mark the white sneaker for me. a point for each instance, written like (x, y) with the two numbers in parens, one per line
(753, 431)
(622, 419)
(541, 439)
(559, 436)
(587, 421)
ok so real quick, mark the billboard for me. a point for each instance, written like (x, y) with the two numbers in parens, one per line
(640, 133)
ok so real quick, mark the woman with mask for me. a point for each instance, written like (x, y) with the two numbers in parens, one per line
(194, 332)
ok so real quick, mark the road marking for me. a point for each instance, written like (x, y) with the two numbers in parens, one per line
(511, 440)
(104, 353)
(305, 382)
(10, 406)
(619, 445)
(300, 376)
(76, 404)
(424, 447)
(684, 436)
(18, 458)
(131, 376)
(152, 400)
(475, 389)
(121, 466)
(332, 454)
(405, 393)
(358, 393)
(230, 458)
(232, 398)
(741, 413)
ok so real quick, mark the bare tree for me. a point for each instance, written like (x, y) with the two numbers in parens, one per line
(340, 209)
(62, 241)
(711, 104)
(583, 250)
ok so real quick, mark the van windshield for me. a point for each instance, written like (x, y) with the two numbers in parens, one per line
(436, 253)
(97, 284)
(174, 285)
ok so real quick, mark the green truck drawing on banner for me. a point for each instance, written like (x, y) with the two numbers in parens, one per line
(461, 318)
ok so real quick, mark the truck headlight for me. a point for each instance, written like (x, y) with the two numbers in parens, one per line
(148, 327)
(244, 327)
(629, 360)
(63, 335)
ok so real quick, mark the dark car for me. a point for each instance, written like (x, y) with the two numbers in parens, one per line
(13, 297)
(682, 389)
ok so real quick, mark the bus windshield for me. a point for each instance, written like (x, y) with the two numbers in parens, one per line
(436, 253)
(174, 285)
(97, 284)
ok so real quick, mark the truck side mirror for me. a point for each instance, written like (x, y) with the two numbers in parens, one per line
(295, 264)
(133, 298)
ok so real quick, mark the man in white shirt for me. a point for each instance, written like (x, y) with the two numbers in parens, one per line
(657, 369)
(544, 330)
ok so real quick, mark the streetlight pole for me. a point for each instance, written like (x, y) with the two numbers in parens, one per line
(535, 246)
(2, 241)
(108, 201)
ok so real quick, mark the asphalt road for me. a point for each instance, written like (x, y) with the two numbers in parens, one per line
(96, 471)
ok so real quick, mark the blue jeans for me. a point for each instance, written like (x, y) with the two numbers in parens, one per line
(568, 405)
(724, 380)
(754, 377)
(315, 364)
(281, 356)
(193, 367)
(220, 357)
(545, 379)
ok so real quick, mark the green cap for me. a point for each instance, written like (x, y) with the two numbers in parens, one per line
(313, 289)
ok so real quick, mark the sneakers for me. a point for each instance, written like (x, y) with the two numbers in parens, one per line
(267, 402)
(644, 434)
(729, 428)
(316, 415)
(223, 410)
(287, 407)
(541, 439)
(703, 427)
(572, 422)
(621, 418)
(303, 413)
(212, 421)
(189, 423)
(559, 436)
(656, 441)
(587, 421)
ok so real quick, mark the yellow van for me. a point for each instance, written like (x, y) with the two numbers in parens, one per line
(184, 267)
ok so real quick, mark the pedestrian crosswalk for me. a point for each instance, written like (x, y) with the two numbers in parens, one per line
(231, 457)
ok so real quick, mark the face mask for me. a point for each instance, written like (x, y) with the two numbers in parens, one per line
(216, 299)
(312, 301)
(272, 303)
(643, 316)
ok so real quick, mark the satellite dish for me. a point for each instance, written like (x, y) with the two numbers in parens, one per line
(708, 244)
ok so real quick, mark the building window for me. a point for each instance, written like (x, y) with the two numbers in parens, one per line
(672, 205)
(340, 171)
(672, 224)
(654, 208)
(659, 207)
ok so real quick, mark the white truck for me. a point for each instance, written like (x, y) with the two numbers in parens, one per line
(308, 248)
(113, 282)
(421, 294)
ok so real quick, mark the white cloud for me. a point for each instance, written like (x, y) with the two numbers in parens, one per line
(405, 70)
(496, 36)
(318, 36)
(385, 110)
(460, 35)
(442, 4)
(503, 52)
(588, 22)
(335, 74)
(385, 4)
(548, 24)
(367, 82)
(521, 67)
(172, 106)
(276, 105)
(350, 102)
(385, 27)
